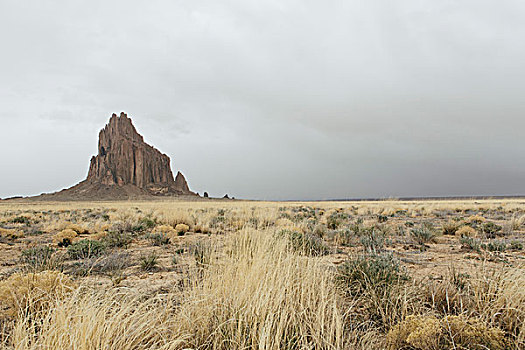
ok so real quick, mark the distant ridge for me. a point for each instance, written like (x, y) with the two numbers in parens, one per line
(429, 198)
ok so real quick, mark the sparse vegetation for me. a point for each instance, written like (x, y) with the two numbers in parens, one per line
(149, 262)
(428, 332)
(245, 275)
(423, 235)
(39, 258)
(86, 249)
(31, 293)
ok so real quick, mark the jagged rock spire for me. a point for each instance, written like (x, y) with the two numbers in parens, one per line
(125, 159)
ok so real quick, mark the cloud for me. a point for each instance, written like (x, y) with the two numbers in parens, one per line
(274, 99)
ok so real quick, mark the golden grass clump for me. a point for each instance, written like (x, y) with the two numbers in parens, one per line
(284, 222)
(100, 320)
(33, 292)
(499, 297)
(473, 333)
(181, 228)
(65, 237)
(420, 332)
(254, 294)
(262, 296)
(11, 233)
(431, 333)
(475, 219)
(77, 228)
(166, 230)
(466, 231)
(175, 217)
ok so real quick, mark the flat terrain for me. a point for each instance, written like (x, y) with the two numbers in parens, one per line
(431, 274)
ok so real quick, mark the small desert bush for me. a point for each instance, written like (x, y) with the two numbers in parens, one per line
(495, 246)
(86, 249)
(146, 223)
(21, 220)
(149, 262)
(423, 235)
(373, 242)
(450, 332)
(470, 243)
(374, 288)
(374, 272)
(65, 237)
(39, 257)
(490, 229)
(466, 231)
(450, 227)
(77, 228)
(336, 219)
(305, 243)
(11, 233)
(166, 230)
(181, 229)
(117, 239)
(33, 292)
(158, 239)
(475, 219)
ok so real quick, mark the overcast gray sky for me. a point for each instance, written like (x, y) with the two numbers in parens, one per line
(272, 99)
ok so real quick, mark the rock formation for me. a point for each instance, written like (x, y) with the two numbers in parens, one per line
(127, 167)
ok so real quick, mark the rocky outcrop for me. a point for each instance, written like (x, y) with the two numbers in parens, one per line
(125, 159)
(126, 167)
(180, 183)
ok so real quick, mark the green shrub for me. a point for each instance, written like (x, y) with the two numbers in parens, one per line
(305, 243)
(147, 223)
(86, 249)
(490, 229)
(495, 246)
(158, 239)
(382, 218)
(370, 273)
(117, 239)
(423, 235)
(470, 243)
(516, 245)
(450, 228)
(336, 219)
(21, 220)
(373, 242)
(39, 257)
(149, 262)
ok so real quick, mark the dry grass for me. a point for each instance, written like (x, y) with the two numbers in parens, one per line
(235, 280)
(255, 294)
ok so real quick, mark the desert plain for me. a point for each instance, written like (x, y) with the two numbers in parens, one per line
(230, 274)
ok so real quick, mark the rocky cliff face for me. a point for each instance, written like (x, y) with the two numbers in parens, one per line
(125, 159)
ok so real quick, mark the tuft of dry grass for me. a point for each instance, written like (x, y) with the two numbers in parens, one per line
(65, 237)
(450, 332)
(254, 294)
(466, 231)
(26, 294)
